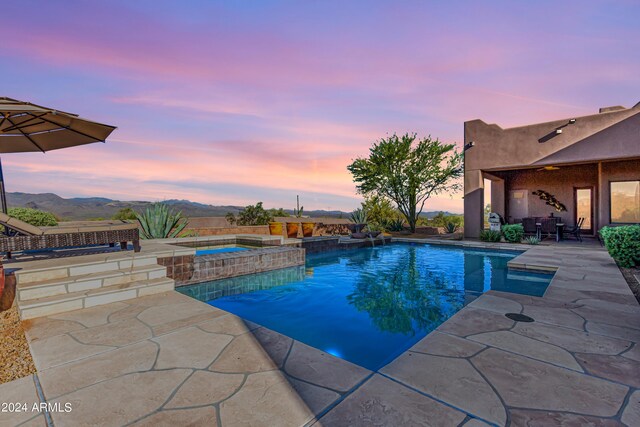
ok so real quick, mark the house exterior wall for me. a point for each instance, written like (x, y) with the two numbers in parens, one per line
(609, 140)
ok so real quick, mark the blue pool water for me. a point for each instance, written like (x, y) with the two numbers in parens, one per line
(368, 305)
(219, 250)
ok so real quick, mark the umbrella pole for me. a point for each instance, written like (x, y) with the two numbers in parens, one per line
(3, 194)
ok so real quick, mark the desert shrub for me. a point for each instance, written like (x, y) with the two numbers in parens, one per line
(441, 220)
(623, 244)
(125, 214)
(532, 240)
(374, 227)
(278, 212)
(33, 217)
(380, 210)
(513, 233)
(189, 233)
(251, 215)
(490, 236)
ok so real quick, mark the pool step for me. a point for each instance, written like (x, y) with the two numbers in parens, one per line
(70, 301)
(62, 268)
(59, 285)
(34, 290)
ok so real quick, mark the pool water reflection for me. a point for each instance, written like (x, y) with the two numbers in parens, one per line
(368, 305)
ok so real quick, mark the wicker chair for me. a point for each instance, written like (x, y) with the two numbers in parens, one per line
(24, 237)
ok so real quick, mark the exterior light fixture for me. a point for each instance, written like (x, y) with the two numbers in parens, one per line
(572, 121)
(469, 145)
(558, 131)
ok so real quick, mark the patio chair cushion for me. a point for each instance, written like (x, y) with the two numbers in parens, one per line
(21, 226)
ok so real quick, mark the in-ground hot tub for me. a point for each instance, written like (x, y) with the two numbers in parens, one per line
(220, 249)
(221, 257)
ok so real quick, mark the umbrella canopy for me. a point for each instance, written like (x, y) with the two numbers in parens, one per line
(27, 127)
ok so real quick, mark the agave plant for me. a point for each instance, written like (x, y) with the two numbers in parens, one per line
(532, 240)
(451, 227)
(160, 222)
(394, 225)
(359, 216)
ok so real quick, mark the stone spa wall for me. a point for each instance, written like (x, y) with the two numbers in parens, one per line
(186, 270)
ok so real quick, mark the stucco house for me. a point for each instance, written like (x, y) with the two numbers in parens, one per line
(580, 167)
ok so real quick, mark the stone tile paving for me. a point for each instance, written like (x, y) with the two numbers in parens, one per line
(577, 364)
(170, 360)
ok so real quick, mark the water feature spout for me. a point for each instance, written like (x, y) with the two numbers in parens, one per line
(370, 236)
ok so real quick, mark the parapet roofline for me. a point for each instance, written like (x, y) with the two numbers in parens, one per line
(603, 110)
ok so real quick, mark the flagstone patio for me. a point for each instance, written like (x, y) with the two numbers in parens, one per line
(168, 359)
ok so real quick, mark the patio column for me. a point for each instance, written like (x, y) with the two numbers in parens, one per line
(473, 203)
(497, 194)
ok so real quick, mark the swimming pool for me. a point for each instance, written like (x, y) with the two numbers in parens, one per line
(368, 305)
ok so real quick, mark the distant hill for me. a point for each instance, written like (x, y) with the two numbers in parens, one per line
(431, 214)
(83, 208)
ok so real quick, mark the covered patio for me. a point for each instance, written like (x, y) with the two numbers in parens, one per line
(558, 197)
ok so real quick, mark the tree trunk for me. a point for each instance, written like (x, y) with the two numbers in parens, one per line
(412, 213)
(412, 224)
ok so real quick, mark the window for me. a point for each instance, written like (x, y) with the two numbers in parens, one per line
(625, 202)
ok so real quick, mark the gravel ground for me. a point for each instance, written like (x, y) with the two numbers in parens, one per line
(632, 275)
(15, 358)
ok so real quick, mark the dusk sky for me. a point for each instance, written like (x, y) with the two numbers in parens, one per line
(237, 102)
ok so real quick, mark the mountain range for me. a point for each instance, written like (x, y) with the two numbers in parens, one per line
(86, 208)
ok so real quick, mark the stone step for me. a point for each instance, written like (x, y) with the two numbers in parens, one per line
(62, 268)
(56, 304)
(33, 290)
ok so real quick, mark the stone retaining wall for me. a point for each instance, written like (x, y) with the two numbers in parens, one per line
(320, 229)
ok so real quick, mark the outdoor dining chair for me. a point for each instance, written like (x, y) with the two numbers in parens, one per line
(575, 231)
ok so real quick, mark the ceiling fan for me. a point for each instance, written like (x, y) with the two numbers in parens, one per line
(549, 168)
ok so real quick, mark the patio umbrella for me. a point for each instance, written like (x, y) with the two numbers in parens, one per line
(27, 127)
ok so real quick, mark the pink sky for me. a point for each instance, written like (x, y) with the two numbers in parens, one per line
(233, 103)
